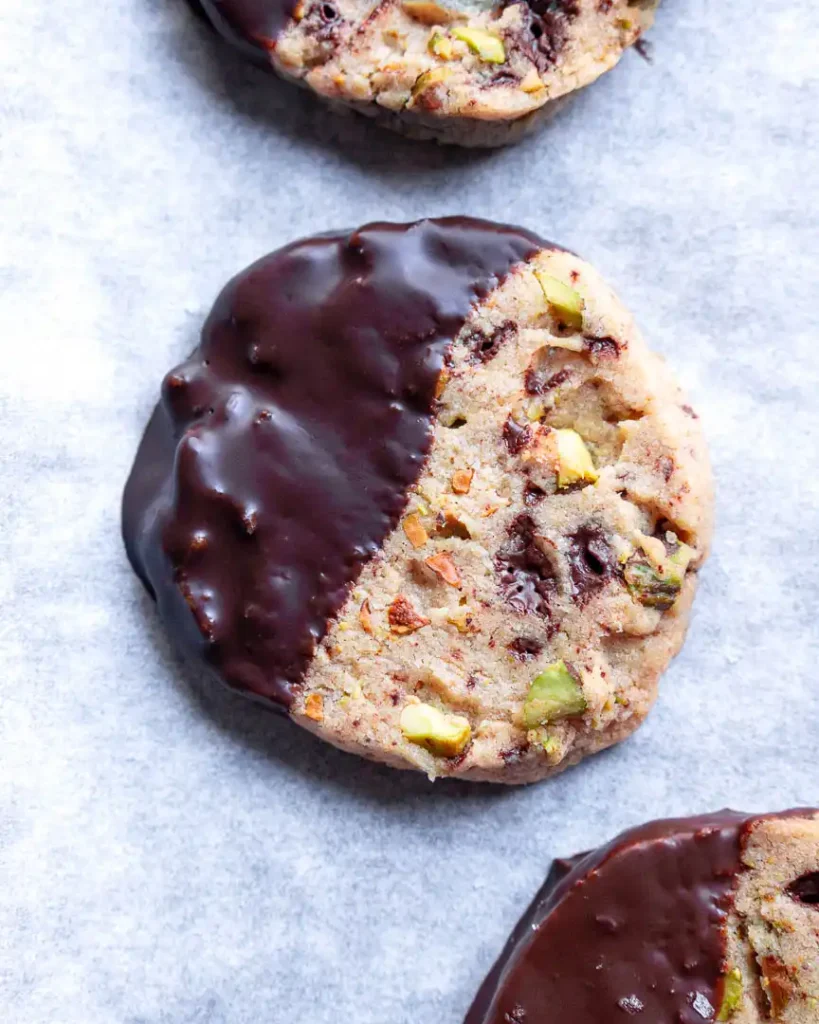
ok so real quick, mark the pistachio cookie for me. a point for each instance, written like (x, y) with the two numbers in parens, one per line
(713, 918)
(424, 487)
(474, 72)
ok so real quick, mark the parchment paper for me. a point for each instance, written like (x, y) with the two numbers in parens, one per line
(175, 855)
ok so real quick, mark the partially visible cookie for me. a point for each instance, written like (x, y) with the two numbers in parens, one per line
(425, 488)
(714, 918)
(470, 72)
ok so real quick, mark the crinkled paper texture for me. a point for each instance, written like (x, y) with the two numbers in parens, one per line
(172, 855)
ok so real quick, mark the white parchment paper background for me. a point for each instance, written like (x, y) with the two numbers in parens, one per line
(170, 858)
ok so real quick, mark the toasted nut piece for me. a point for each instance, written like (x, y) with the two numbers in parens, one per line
(555, 693)
(314, 706)
(731, 995)
(365, 617)
(565, 301)
(414, 529)
(428, 13)
(777, 983)
(444, 735)
(430, 78)
(462, 480)
(463, 619)
(441, 383)
(574, 464)
(657, 584)
(488, 46)
(444, 567)
(441, 46)
(531, 82)
(403, 618)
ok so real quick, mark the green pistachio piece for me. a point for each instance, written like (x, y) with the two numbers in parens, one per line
(488, 46)
(658, 586)
(574, 463)
(445, 735)
(554, 694)
(731, 995)
(565, 301)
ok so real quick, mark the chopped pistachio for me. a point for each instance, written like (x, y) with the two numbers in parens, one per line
(574, 463)
(441, 46)
(658, 584)
(442, 734)
(462, 480)
(731, 995)
(565, 301)
(531, 82)
(555, 693)
(430, 78)
(486, 45)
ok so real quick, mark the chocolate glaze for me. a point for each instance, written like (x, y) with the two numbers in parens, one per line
(251, 24)
(632, 929)
(282, 451)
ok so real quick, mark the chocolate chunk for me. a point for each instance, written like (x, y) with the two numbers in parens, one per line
(549, 28)
(527, 578)
(281, 454)
(591, 560)
(601, 349)
(524, 648)
(516, 436)
(486, 346)
(532, 494)
(634, 928)
(537, 383)
(806, 889)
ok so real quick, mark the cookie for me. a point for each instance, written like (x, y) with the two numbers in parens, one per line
(424, 488)
(712, 918)
(472, 73)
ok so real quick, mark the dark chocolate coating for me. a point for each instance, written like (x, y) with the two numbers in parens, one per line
(253, 25)
(633, 929)
(282, 452)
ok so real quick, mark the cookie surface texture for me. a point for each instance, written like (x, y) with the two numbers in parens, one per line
(424, 488)
(712, 918)
(471, 73)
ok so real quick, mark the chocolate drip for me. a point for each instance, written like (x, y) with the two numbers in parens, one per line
(282, 452)
(633, 929)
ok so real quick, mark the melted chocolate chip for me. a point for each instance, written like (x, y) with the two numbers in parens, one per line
(527, 579)
(486, 346)
(532, 494)
(591, 560)
(524, 648)
(602, 349)
(549, 28)
(515, 436)
(282, 452)
(637, 923)
(536, 381)
(806, 889)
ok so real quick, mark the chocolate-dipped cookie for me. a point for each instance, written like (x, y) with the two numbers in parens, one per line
(473, 72)
(424, 488)
(712, 918)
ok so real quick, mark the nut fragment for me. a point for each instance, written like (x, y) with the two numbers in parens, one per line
(565, 301)
(314, 707)
(574, 463)
(430, 78)
(427, 13)
(403, 618)
(442, 734)
(441, 46)
(731, 995)
(554, 694)
(365, 617)
(486, 45)
(443, 566)
(462, 480)
(414, 529)
(657, 582)
(531, 82)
